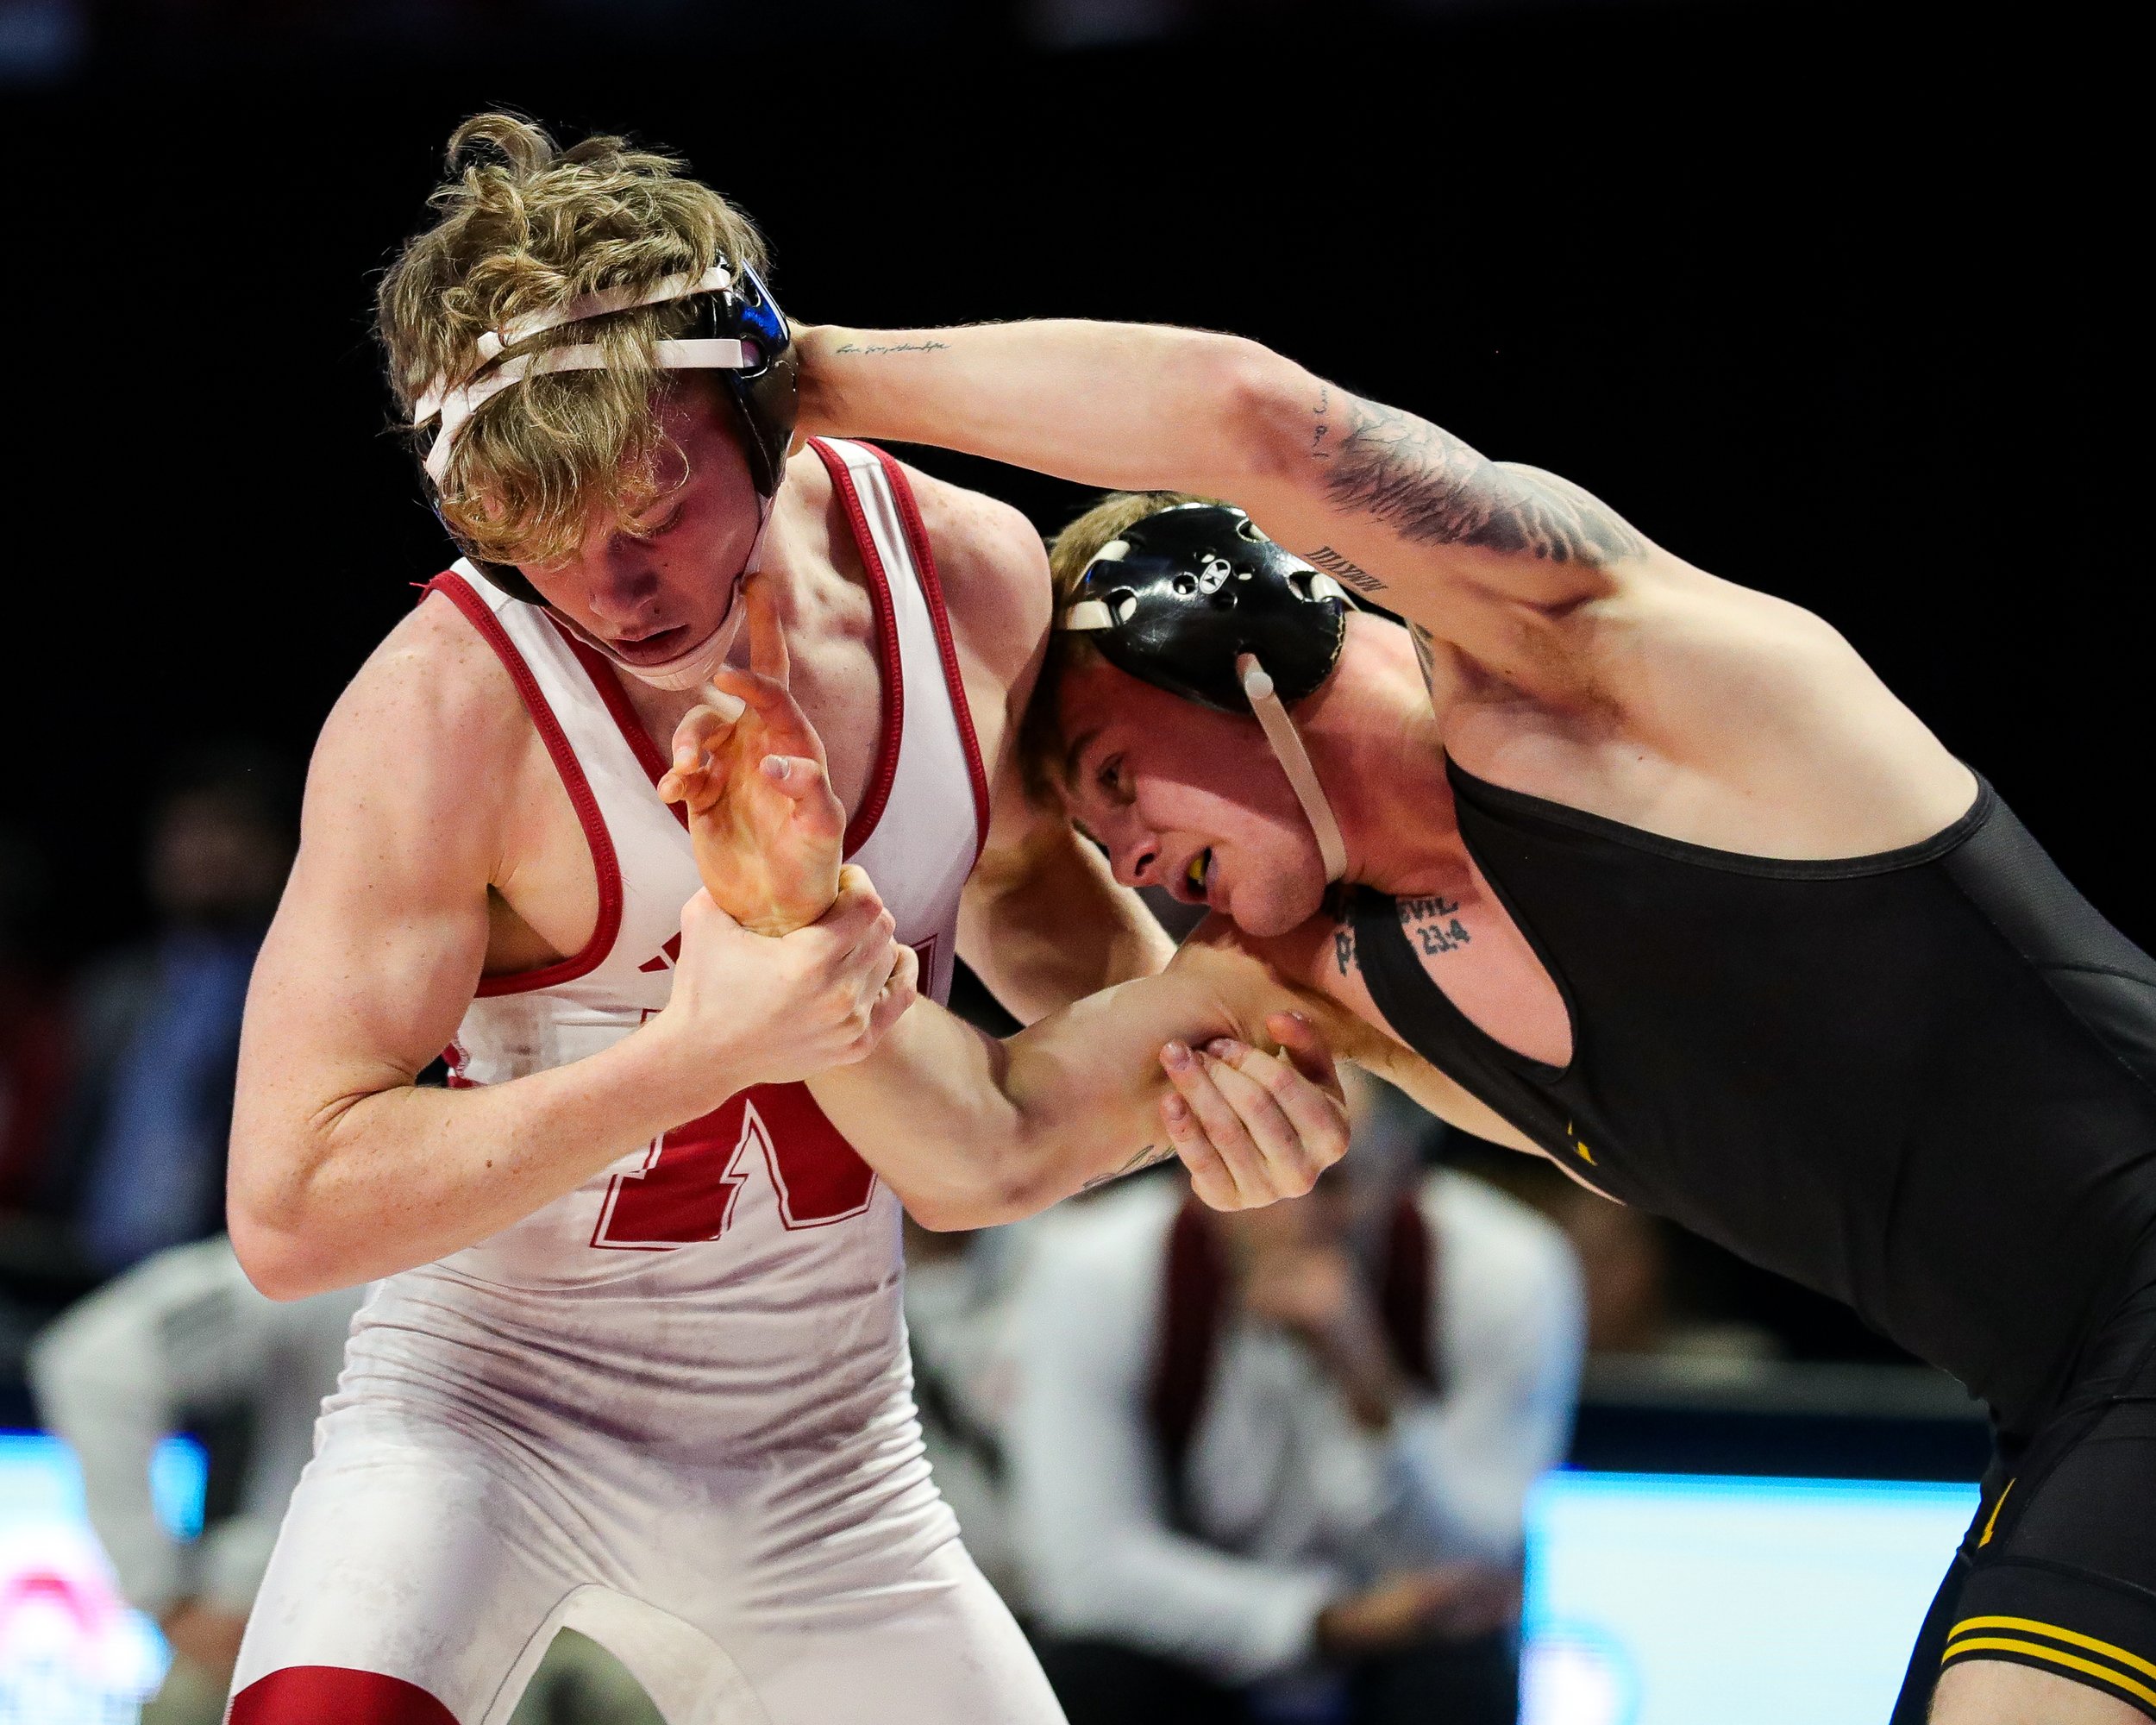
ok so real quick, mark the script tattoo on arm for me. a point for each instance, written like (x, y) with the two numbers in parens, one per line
(864, 348)
(1432, 488)
(1147, 1157)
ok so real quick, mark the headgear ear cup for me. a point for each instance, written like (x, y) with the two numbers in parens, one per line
(1196, 600)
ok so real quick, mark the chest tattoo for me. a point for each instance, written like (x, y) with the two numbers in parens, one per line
(1433, 922)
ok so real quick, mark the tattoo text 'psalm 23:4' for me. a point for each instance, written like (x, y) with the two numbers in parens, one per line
(1434, 922)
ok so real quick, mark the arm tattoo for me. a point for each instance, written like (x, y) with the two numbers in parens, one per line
(927, 346)
(1429, 486)
(1145, 1158)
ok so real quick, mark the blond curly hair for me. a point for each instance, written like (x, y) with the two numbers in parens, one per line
(526, 226)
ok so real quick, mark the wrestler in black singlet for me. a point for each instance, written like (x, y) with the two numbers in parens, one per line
(1922, 1081)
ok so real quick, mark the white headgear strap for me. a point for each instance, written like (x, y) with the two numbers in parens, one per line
(1294, 761)
(455, 405)
(685, 670)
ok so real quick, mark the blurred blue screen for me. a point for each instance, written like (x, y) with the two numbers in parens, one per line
(72, 1651)
(1674, 1599)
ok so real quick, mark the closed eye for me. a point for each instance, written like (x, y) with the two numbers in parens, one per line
(666, 524)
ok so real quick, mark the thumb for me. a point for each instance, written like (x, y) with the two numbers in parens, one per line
(703, 917)
(1306, 1050)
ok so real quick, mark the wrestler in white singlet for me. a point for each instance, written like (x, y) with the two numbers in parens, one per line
(674, 1408)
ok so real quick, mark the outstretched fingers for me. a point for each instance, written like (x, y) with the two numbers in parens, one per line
(696, 775)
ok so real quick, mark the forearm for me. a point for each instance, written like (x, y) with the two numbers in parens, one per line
(970, 1131)
(1131, 406)
(381, 1180)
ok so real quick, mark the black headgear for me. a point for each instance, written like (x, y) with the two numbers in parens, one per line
(1184, 594)
(766, 394)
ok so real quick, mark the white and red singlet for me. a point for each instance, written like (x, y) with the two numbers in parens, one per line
(672, 1408)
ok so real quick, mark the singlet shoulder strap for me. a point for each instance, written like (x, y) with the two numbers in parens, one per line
(475, 598)
(895, 545)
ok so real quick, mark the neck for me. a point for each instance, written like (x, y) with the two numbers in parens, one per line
(1376, 742)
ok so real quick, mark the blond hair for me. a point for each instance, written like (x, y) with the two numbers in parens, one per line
(525, 226)
(1040, 732)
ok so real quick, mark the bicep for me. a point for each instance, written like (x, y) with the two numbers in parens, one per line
(1492, 557)
(379, 937)
(1043, 921)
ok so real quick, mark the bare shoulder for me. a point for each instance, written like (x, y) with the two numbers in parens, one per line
(1256, 975)
(431, 724)
(993, 572)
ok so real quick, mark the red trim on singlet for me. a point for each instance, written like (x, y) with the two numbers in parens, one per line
(931, 586)
(608, 682)
(879, 791)
(313, 1695)
(459, 592)
(614, 694)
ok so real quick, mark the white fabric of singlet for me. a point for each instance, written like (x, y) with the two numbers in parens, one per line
(674, 1408)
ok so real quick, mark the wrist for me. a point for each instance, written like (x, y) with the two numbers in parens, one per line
(680, 1069)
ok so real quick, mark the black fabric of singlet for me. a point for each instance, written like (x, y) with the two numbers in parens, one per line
(1923, 1082)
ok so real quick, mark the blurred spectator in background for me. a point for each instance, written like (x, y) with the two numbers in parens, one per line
(1271, 1465)
(184, 1343)
(158, 1023)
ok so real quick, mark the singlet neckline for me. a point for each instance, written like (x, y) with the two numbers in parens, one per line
(1501, 798)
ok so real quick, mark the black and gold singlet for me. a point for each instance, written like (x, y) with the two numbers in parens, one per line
(1923, 1082)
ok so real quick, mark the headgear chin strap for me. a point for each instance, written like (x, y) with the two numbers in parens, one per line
(685, 670)
(1196, 600)
(1294, 761)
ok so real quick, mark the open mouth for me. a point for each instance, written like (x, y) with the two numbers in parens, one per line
(1196, 873)
(651, 650)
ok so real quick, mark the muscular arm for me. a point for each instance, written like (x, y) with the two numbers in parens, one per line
(1042, 923)
(970, 1131)
(342, 1168)
(1487, 554)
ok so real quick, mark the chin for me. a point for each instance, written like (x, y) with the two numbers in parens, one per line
(1280, 906)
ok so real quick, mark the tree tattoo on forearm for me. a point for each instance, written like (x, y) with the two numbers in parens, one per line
(1430, 487)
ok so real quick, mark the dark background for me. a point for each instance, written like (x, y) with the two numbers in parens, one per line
(1829, 299)
(1834, 300)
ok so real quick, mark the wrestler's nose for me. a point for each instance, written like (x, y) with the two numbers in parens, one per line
(622, 590)
(1136, 860)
